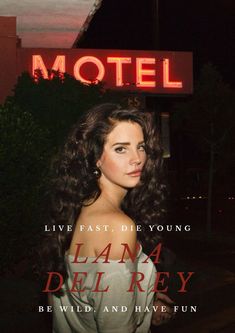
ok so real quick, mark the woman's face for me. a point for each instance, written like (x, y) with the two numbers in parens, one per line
(124, 155)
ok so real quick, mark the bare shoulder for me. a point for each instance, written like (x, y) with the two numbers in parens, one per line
(114, 220)
(122, 233)
(119, 218)
(96, 230)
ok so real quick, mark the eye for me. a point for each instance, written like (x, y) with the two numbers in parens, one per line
(142, 147)
(120, 150)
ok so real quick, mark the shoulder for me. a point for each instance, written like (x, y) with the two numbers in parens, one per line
(114, 220)
(118, 218)
(101, 228)
(122, 232)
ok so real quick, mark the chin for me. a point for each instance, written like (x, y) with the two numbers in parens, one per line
(132, 184)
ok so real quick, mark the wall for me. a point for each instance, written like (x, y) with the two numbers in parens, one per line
(8, 45)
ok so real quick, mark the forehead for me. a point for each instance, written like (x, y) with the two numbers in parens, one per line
(125, 131)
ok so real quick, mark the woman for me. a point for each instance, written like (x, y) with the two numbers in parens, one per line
(108, 183)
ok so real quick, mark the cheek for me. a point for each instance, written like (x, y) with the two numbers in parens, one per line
(112, 164)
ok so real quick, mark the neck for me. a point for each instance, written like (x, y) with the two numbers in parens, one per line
(112, 194)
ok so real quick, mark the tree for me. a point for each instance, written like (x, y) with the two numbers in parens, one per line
(57, 103)
(33, 125)
(24, 157)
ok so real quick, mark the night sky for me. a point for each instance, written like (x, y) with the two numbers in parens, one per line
(207, 28)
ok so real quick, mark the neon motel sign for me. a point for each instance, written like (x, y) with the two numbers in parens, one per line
(149, 71)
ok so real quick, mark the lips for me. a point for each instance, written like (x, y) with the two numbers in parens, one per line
(135, 173)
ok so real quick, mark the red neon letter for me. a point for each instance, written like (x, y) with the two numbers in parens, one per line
(140, 72)
(38, 63)
(118, 61)
(59, 64)
(84, 60)
(166, 80)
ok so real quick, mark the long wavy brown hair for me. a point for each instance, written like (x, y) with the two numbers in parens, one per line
(75, 183)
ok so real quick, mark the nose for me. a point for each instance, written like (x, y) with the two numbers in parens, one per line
(135, 158)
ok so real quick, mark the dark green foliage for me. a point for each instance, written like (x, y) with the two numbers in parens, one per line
(33, 125)
(56, 104)
(24, 156)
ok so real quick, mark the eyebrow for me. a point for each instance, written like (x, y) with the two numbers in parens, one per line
(126, 143)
